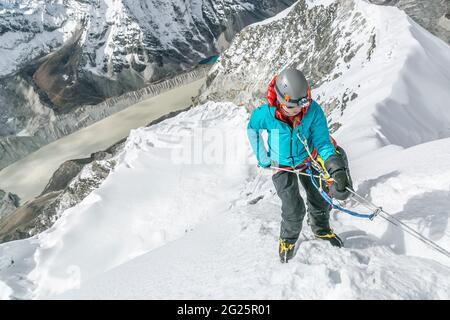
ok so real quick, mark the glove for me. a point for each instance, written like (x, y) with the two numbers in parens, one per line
(335, 166)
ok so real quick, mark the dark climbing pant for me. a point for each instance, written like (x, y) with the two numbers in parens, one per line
(293, 207)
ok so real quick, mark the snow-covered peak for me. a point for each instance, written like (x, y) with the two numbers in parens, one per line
(315, 3)
(433, 15)
(320, 40)
(116, 35)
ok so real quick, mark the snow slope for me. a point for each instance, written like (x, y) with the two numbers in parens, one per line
(175, 199)
(233, 254)
(171, 224)
(134, 238)
(402, 93)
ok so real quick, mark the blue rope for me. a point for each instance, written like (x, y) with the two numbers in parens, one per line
(330, 201)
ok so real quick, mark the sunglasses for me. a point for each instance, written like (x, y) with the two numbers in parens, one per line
(302, 103)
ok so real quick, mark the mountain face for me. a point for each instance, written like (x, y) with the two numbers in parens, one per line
(334, 44)
(60, 55)
(317, 39)
(125, 43)
(433, 15)
(321, 45)
(71, 183)
(241, 75)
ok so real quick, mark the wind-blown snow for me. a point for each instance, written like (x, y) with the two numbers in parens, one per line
(173, 200)
(234, 255)
(43, 162)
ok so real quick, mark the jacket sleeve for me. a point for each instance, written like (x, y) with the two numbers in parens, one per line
(320, 135)
(255, 126)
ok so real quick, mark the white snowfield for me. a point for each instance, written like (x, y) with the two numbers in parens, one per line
(163, 227)
(226, 247)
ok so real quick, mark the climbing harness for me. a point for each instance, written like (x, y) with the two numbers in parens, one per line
(328, 199)
(324, 195)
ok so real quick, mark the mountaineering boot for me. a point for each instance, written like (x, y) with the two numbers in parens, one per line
(286, 251)
(332, 237)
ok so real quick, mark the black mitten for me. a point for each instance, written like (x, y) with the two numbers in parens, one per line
(335, 166)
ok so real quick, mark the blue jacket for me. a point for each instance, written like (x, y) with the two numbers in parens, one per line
(285, 148)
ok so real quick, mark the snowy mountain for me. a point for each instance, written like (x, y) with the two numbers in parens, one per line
(433, 15)
(340, 46)
(60, 55)
(185, 213)
(113, 36)
(322, 40)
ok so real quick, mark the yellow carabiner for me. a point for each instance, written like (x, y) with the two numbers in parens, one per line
(322, 164)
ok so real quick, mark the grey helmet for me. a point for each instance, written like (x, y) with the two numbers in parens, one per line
(292, 88)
